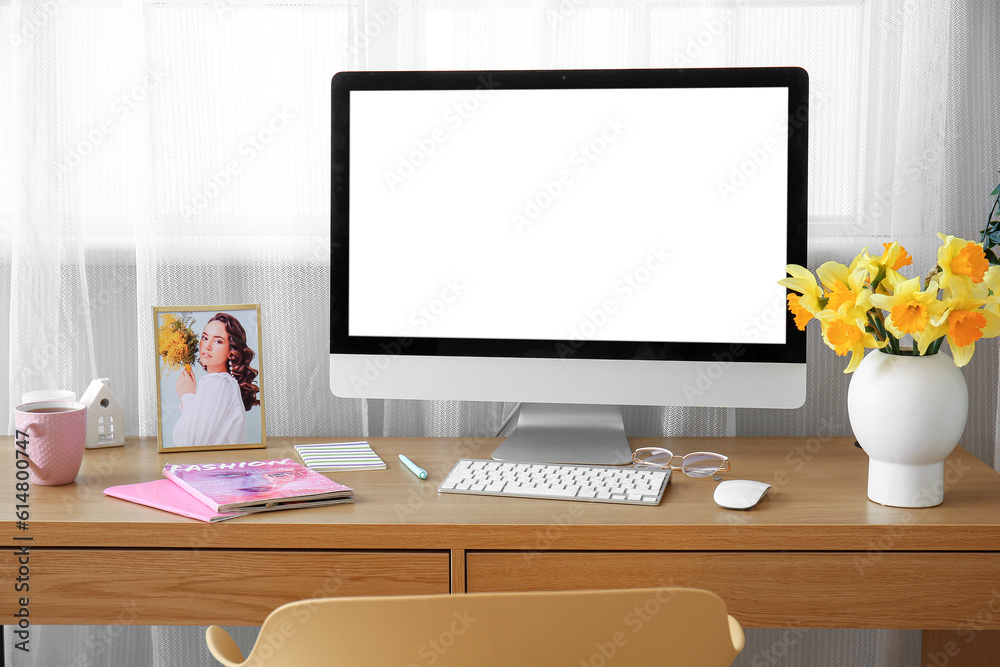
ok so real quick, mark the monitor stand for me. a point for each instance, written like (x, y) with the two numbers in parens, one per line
(557, 433)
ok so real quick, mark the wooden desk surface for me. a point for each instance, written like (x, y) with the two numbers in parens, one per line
(818, 502)
(815, 553)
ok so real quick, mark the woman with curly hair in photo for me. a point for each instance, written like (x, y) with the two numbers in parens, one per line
(213, 410)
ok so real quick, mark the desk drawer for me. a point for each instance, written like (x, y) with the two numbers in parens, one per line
(190, 587)
(778, 589)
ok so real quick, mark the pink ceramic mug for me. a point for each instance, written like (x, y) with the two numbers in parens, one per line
(54, 434)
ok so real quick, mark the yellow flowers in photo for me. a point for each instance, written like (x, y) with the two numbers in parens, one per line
(869, 304)
(177, 343)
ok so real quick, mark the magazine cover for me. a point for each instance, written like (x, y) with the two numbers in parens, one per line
(225, 486)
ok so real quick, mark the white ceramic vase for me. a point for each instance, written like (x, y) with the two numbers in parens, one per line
(908, 414)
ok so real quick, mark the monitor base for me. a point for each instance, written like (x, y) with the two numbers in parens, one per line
(558, 433)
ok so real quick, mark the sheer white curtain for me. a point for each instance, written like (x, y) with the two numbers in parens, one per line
(169, 154)
(165, 153)
(176, 152)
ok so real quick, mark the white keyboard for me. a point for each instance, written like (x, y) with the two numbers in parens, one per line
(557, 481)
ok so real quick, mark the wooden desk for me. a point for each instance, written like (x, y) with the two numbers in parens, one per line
(814, 553)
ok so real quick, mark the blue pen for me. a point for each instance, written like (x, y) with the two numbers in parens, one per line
(414, 468)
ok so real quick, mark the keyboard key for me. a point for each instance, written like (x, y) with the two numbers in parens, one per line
(538, 492)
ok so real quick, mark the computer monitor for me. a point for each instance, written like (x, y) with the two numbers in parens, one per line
(573, 240)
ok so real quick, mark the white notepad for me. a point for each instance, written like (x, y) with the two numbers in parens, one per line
(339, 456)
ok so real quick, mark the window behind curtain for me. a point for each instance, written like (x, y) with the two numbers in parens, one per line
(181, 151)
(828, 39)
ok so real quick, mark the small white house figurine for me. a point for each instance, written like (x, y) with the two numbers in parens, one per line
(105, 416)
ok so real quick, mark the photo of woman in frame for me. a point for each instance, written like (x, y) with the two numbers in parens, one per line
(209, 392)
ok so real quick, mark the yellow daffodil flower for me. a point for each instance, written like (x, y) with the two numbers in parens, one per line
(963, 263)
(965, 327)
(992, 282)
(963, 321)
(855, 274)
(910, 308)
(843, 335)
(992, 279)
(809, 300)
(893, 258)
(802, 316)
(847, 288)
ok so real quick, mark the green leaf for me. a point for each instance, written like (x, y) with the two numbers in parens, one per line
(991, 256)
(996, 191)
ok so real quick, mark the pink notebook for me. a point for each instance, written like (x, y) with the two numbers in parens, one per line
(165, 495)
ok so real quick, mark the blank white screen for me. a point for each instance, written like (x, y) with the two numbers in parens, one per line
(623, 214)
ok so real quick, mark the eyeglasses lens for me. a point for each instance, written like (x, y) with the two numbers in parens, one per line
(701, 465)
(659, 458)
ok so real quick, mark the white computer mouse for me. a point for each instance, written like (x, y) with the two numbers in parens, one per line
(739, 494)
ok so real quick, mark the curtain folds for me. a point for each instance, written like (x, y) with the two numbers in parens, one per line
(177, 153)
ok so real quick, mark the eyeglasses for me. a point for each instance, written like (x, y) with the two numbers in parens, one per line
(695, 464)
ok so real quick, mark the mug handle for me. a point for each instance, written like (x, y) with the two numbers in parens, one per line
(35, 468)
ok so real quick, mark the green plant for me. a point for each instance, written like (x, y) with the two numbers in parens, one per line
(991, 235)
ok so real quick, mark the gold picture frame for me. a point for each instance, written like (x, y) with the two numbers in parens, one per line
(197, 370)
